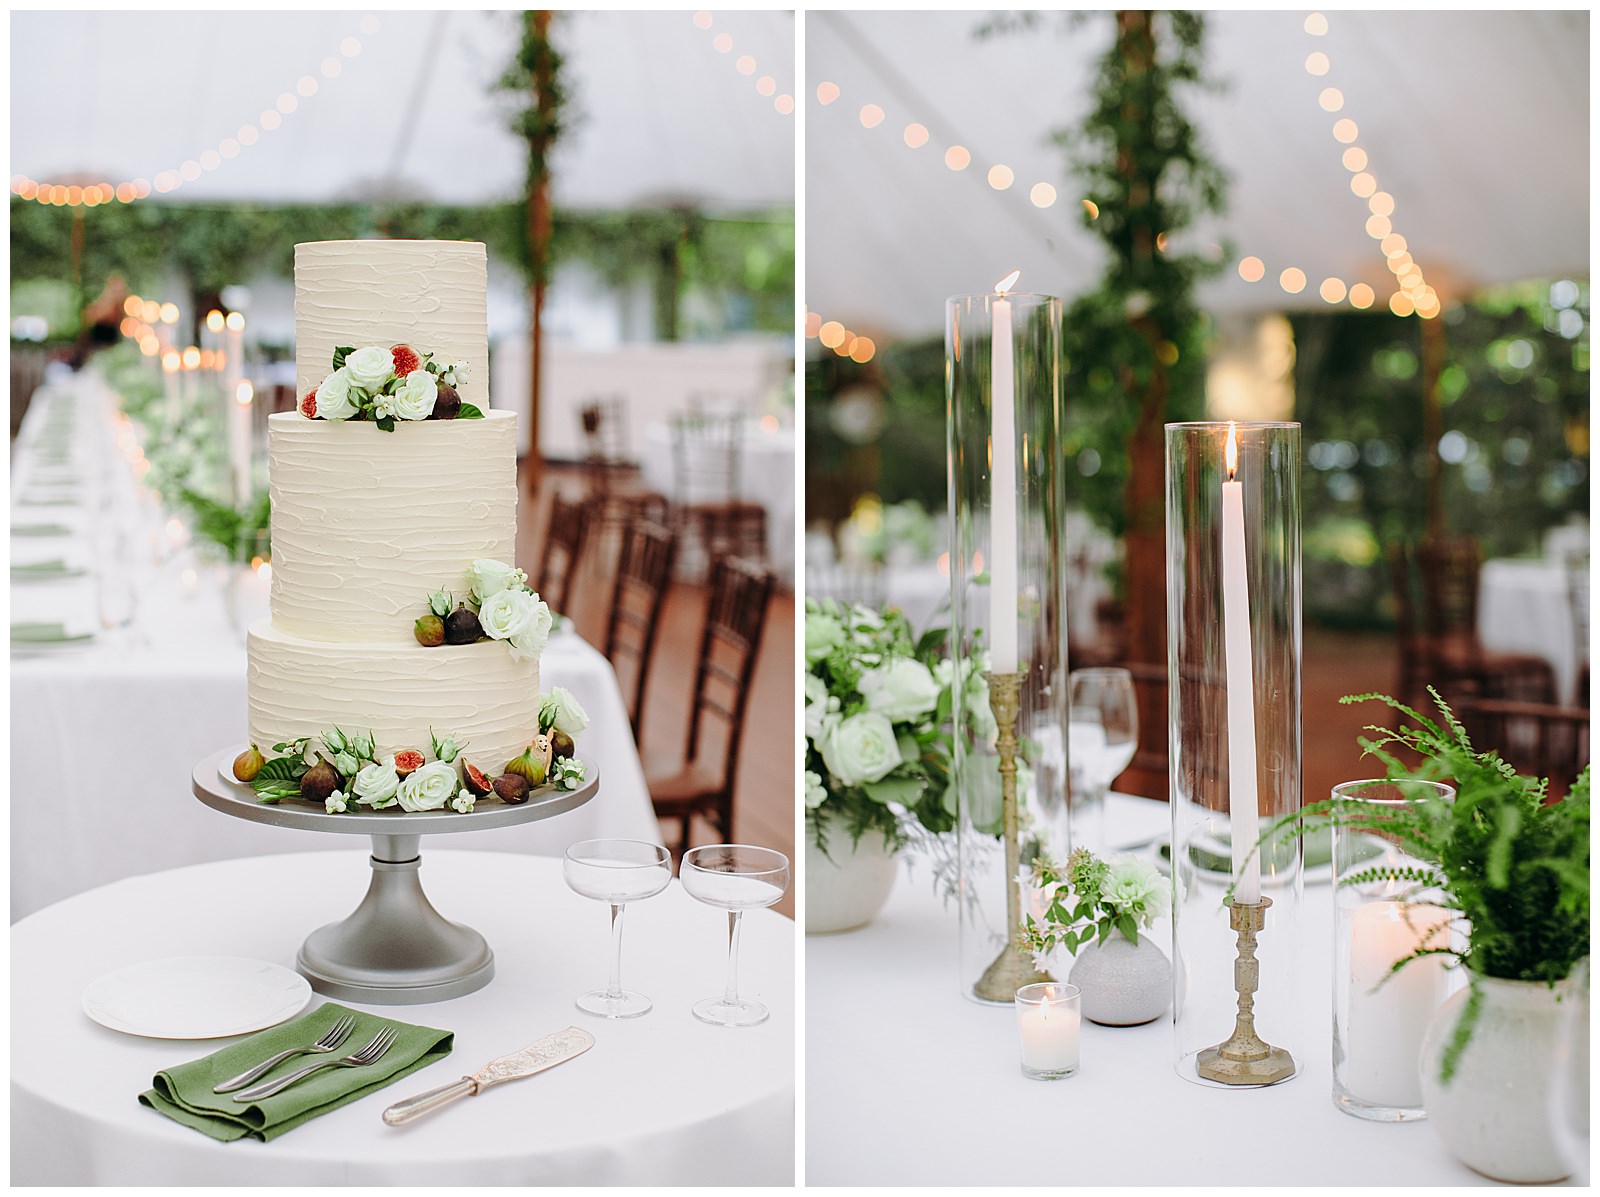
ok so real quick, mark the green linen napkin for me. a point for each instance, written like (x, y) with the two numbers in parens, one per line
(46, 633)
(40, 530)
(45, 569)
(183, 1093)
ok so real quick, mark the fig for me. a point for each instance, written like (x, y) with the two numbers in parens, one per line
(511, 788)
(248, 763)
(561, 744)
(408, 762)
(462, 627)
(533, 764)
(446, 403)
(319, 781)
(476, 781)
(430, 631)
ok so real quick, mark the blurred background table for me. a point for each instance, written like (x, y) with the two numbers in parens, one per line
(659, 1100)
(1527, 606)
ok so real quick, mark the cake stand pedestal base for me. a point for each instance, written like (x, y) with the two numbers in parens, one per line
(395, 949)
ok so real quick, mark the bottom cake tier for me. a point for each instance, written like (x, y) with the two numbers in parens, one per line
(400, 693)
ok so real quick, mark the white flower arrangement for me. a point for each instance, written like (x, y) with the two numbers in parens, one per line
(1089, 899)
(386, 385)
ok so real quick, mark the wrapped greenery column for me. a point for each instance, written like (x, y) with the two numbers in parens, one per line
(1008, 642)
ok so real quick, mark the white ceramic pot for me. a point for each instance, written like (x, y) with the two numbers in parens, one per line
(1123, 984)
(849, 885)
(1492, 1114)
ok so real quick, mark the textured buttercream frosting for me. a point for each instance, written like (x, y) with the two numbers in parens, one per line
(366, 524)
(400, 693)
(431, 295)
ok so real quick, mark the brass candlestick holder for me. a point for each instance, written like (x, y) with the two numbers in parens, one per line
(1245, 1058)
(1012, 968)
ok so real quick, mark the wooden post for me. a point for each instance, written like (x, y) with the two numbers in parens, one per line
(540, 224)
(1433, 351)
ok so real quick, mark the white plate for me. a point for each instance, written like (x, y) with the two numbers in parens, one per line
(196, 997)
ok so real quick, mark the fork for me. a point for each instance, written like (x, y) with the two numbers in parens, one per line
(332, 1039)
(370, 1054)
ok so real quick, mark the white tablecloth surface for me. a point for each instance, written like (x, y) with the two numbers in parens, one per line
(105, 736)
(766, 476)
(908, 1082)
(662, 1099)
(1523, 608)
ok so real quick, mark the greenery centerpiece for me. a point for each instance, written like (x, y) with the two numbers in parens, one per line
(1089, 899)
(1510, 866)
(877, 714)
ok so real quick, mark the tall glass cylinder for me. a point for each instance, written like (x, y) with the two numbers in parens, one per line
(1233, 667)
(1008, 626)
(1383, 914)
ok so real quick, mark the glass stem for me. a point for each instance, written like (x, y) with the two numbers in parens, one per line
(730, 994)
(614, 989)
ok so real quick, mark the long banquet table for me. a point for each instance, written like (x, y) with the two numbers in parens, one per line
(661, 1099)
(104, 734)
(910, 1083)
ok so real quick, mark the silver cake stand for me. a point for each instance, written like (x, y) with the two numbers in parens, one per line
(395, 949)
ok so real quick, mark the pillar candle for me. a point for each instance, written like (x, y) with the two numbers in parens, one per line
(1383, 1035)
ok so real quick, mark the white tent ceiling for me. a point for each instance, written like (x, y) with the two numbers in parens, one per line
(1477, 123)
(658, 113)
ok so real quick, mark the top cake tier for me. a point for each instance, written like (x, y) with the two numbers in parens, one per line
(431, 295)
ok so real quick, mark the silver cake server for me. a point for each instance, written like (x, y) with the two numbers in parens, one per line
(547, 1053)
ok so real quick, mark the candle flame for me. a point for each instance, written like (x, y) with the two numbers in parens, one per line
(1231, 453)
(1008, 282)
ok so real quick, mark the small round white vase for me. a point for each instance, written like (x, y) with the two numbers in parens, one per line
(848, 885)
(1123, 984)
(1492, 1113)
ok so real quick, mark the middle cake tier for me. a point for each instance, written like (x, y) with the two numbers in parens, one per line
(402, 694)
(366, 524)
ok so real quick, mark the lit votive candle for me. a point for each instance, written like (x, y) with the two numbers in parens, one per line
(1048, 1019)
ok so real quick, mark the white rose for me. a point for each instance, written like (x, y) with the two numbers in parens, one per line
(518, 617)
(375, 785)
(488, 577)
(529, 643)
(333, 397)
(560, 710)
(369, 368)
(816, 705)
(861, 748)
(900, 689)
(429, 788)
(824, 633)
(415, 398)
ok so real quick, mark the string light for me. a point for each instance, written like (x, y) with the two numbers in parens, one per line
(165, 181)
(766, 85)
(957, 157)
(835, 336)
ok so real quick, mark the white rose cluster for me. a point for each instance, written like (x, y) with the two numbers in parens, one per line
(365, 380)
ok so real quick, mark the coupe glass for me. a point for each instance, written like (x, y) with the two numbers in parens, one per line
(1102, 734)
(618, 872)
(736, 878)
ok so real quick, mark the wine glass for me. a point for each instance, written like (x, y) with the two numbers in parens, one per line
(735, 877)
(618, 872)
(1102, 734)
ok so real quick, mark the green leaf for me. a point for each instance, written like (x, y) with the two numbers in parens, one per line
(904, 790)
(280, 770)
(386, 423)
(469, 412)
(339, 354)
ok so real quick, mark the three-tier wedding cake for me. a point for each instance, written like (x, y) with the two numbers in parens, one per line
(372, 515)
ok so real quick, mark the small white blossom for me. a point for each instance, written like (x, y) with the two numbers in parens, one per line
(336, 803)
(463, 802)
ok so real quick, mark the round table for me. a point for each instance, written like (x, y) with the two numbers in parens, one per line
(908, 1082)
(663, 1099)
(1525, 607)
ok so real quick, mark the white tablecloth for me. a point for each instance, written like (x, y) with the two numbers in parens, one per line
(663, 1099)
(1523, 607)
(104, 737)
(766, 476)
(910, 1083)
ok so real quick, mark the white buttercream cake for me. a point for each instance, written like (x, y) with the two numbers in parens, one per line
(367, 523)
